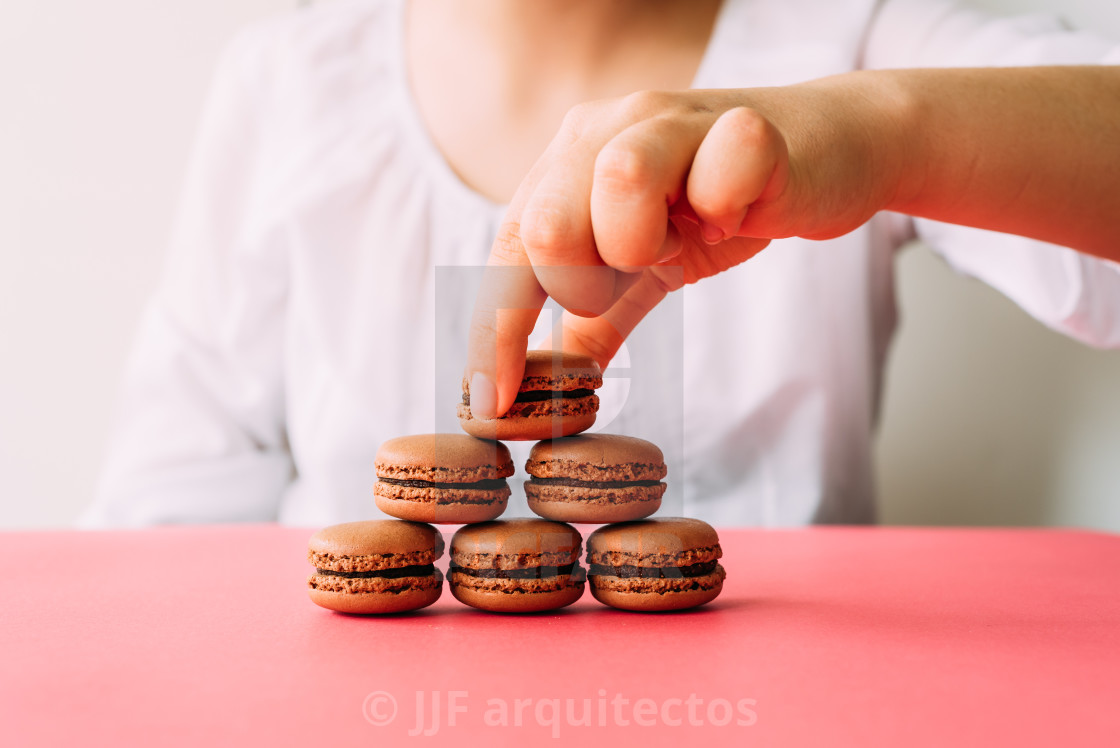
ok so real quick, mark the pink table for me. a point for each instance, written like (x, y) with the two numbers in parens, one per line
(868, 637)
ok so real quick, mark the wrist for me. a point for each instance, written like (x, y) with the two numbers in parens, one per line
(893, 129)
(897, 93)
(855, 134)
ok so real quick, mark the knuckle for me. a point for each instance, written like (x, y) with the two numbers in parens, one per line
(751, 128)
(571, 128)
(576, 116)
(643, 104)
(577, 119)
(622, 167)
(547, 232)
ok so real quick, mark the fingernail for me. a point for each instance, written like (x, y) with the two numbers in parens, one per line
(484, 397)
(711, 234)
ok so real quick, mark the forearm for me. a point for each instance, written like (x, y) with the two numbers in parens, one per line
(1029, 151)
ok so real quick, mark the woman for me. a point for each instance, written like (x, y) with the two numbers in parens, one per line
(354, 155)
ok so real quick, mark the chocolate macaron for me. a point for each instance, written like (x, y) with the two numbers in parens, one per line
(655, 564)
(442, 478)
(516, 566)
(595, 478)
(377, 566)
(556, 398)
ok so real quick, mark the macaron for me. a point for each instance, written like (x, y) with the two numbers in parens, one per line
(655, 564)
(595, 478)
(516, 566)
(376, 566)
(556, 398)
(442, 478)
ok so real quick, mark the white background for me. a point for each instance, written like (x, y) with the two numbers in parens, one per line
(989, 418)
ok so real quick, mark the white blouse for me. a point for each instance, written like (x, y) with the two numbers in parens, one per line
(325, 256)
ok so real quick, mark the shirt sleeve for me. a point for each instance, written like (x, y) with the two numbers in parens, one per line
(199, 434)
(1065, 290)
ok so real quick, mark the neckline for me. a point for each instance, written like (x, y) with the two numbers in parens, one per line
(417, 128)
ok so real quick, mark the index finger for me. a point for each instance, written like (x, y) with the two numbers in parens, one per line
(505, 313)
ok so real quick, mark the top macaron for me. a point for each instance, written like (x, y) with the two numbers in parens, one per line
(442, 478)
(556, 398)
(595, 478)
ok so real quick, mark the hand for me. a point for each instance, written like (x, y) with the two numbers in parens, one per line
(637, 196)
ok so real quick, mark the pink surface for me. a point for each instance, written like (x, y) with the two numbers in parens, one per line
(839, 636)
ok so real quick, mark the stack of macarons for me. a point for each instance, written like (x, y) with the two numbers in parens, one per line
(522, 565)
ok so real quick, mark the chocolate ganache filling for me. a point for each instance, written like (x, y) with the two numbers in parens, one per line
(533, 572)
(401, 571)
(536, 396)
(664, 572)
(591, 483)
(490, 484)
